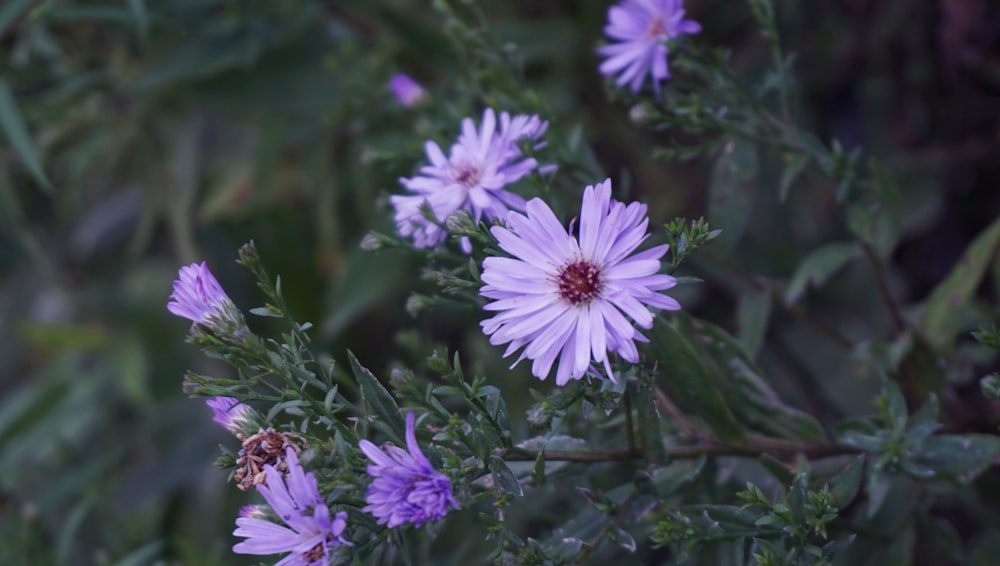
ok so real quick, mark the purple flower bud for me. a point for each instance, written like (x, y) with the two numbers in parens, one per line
(407, 91)
(198, 296)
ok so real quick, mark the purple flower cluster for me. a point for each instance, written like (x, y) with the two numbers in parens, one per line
(405, 487)
(568, 297)
(640, 30)
(311, 533)
(472, 177)
(198, 296)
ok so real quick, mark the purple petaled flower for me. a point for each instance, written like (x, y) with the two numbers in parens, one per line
(472, 177)
(406, 90)
(641, 29)
(311, 533)
(566, 297)
(405, 487)
(198, 296)
(229, 412)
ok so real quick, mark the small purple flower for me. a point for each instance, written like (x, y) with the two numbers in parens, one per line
(198, 296)
(472, 177)
(406, 90)
(641, 29)
(311, 534)
(405, 487)
(235, 416)
(567, 297)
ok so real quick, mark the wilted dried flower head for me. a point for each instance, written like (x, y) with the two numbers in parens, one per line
(265, 448)
(311, 533)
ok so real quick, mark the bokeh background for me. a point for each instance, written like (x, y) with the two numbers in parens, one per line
(158, 133)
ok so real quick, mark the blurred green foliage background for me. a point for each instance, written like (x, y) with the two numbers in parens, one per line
(142, 135)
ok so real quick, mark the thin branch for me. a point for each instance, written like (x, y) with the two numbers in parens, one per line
(629, 425)
(669, 406)
(773, 447)
(16, 21)
(883, 287)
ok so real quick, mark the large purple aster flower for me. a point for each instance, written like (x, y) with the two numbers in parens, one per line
(311, 533)
(472, 177)
(198, 296)
(564, 297)
(641, 29)
(405, 487)
(236, 417)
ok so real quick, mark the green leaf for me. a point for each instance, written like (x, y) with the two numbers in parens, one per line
(503, 477)
(267, 311)
(668, 480)
(942, 316)
(752, 313)
(791, 172)
(141, 16)
(649, 422)
(10, 12)
(377, 400)
(895, 406)
(960, 456)
(778, 468)
(16, 132)
(818, 266)
(845, 485)
(874, 215)
(731, 188)
(691, 383)
(751, 399)
(877, 487)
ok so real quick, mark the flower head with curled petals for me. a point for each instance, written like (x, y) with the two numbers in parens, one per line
(473, 177)
(568, 298)
(198, 296)
(405, 487)
(310, 535)
(640, 29)
(235, 416)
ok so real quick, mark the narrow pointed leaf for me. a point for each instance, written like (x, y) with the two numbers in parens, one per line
(377, 400)
(16, 133)
(691, 383)
(941, 319)
(819, 266)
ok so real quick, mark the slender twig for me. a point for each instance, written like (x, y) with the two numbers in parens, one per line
(883, 287)
(820, 326)
(669, 406)
(16, 21)
(629, 425)
(773, 447)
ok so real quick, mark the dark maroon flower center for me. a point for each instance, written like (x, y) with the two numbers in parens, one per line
(467, 175)
(657, 28)
(579, 282)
